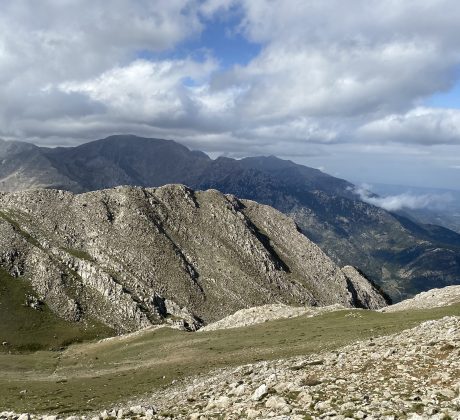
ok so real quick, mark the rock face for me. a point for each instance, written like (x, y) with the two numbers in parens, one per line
(133, 257)
(363, 289)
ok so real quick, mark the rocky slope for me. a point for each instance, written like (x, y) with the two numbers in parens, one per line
(24, 166)
(414, 375)
(264, 313)
(431, 299)
(434, 298)
(402, 256)
(133, 257)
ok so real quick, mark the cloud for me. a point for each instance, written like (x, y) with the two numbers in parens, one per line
(324, 76)
(403, 201)
(424, 126)
(143, 90)
(45, 45)
(323, 58)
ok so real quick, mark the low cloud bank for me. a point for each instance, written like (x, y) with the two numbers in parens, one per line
(403, 201)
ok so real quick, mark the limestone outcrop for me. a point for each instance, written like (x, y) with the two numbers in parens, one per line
(134, 257)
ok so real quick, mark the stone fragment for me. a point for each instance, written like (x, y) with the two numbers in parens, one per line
(260, 392)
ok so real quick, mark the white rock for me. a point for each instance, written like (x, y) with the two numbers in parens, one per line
(347, 406)
(415, 416)
(252, 414)
(260, 392)
(137, 409)
(276, 402)
(239, 390)
(223, 402)
(149, 413)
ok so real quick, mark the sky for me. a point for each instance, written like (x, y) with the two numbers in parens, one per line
(367, 90)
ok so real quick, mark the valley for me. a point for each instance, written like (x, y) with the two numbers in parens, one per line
(121, 371)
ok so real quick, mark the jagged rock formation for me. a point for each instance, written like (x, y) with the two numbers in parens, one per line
(364, 290)
(431, 299)
(403, 256)
(133, 257)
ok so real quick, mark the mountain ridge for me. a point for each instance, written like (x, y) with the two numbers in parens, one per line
(134, 257)
(401, 255)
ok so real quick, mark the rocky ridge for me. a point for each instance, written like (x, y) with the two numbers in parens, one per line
(431, 299)
(264, 313)
(134, 257)
(414, 374)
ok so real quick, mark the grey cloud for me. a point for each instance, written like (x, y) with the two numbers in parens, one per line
(326, 76)
(424, 126)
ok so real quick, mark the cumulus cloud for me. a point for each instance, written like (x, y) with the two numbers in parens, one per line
(404, 201)
(323, 58)
(324, 75)
(143, 90)
(46, 44)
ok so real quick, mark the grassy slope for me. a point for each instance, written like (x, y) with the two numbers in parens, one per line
(91, 375)
(26, 329)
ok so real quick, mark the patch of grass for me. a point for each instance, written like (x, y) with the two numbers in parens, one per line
(418, 408)
(112, 371)
(25, 329)
(78, 253)
(29, 238)
(292, 395)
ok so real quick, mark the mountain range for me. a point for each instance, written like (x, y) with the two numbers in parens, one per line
(398, 253)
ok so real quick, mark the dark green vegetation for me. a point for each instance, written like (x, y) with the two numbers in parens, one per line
(89, 376)
(23, 328)
(403, 256)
